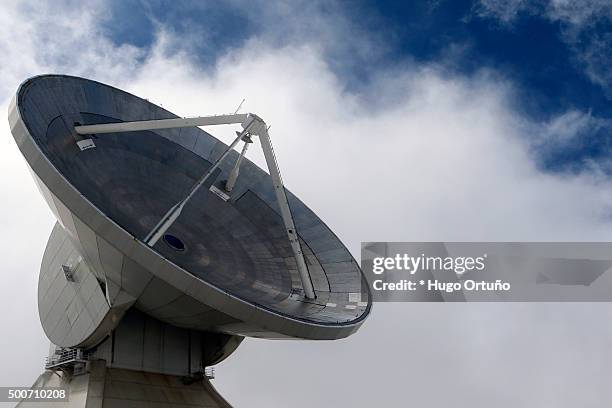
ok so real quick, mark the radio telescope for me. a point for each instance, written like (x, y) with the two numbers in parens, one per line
(170, 247)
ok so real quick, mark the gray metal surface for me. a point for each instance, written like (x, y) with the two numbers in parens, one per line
(236, 275)
(72, 312)
(108, 387)
(143, 343)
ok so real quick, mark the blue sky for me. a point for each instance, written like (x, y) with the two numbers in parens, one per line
(531, 50)
(538, 46)
(440, 121)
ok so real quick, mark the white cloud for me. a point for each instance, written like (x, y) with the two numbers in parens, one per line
(570, 132)
(505, 11)
(579, 12)
(578, 20)
(446, 160)
(575, 13)
(418, 154)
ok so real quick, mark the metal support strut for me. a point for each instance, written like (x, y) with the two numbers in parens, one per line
(233, 176)
(252, 125)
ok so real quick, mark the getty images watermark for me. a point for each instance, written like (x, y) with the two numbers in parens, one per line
(487, 271)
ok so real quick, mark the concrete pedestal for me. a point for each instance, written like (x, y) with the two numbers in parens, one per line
(103, 387)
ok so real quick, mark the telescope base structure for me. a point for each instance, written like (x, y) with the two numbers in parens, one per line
(143, 362)
(100, 386)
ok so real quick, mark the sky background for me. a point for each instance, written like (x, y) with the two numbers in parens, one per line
(440, 120)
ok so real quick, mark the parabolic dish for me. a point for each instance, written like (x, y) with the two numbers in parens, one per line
(223, 266)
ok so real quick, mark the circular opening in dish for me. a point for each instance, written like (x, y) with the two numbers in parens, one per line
(174, 242)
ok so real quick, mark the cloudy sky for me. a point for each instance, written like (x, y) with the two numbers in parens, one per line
(440, 120)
